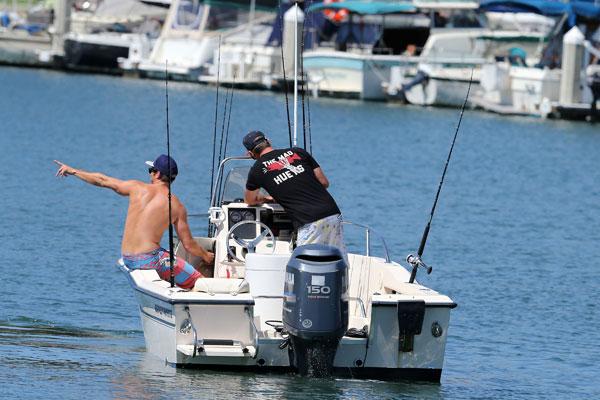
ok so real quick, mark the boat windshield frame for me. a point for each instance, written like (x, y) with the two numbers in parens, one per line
(217, 184)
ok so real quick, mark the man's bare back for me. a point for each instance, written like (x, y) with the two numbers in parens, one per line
(148, 217)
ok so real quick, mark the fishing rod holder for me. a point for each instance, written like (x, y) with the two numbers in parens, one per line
(416, 262)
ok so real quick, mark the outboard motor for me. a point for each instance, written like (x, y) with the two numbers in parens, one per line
(315, 307)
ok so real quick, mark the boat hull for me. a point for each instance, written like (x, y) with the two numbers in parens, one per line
(80, 54)
(350, 75)
(225, 334)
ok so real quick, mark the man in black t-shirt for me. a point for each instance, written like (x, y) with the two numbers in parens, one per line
(294, 180)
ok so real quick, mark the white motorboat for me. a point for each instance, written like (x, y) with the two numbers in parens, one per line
(457, 48)
(190, 36)
(562, 85)
(442, 76)
(357, 59)
(244, 58)
(268, 308)
(423, 51)
(117, 29)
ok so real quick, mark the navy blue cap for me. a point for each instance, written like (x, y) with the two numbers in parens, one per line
(253, 139)
(161, 164)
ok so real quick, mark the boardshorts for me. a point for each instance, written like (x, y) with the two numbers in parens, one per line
(184, 273)
(326, 230)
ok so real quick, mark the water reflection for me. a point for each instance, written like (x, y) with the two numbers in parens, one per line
(154, 379)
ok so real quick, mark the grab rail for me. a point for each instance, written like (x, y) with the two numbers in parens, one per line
(368, 231)
(256, 334)
(360, 301)
(187, 309)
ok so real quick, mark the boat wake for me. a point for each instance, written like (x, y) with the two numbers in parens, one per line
(23, 327)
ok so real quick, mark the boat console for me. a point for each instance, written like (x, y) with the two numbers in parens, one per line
(240, 229)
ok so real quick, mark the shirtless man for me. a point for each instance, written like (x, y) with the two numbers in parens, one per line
(148, 218)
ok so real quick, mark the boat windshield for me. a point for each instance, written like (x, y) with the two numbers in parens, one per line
(189, 15)
(235, 184)
(226, 17)
(457, 19)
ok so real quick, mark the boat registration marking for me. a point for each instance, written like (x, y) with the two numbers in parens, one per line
(162, 310)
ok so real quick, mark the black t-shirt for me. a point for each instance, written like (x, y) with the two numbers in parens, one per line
(288, 175)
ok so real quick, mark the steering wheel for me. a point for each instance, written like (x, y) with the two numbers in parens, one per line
(249, 245)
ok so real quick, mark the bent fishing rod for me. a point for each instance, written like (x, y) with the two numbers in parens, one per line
(171, 255)
(416, 261)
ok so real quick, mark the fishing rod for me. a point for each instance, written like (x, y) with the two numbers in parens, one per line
(285, 85)
(220, 184)
(295, 73)
(223, 127)
(224, 137)
(309, 127)
(212, 166)
(303, 88)
(229, 117)
(171, 255)
(416, 261)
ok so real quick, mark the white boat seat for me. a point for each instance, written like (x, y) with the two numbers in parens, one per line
(197, 262)
(221, 285)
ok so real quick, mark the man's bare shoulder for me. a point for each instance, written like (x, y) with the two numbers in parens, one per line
(177, 202)
(178, 206)
(134, 186)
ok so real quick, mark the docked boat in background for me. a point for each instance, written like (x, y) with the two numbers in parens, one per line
(421, 51)
(245, 58)
(562, 84)
(116, 29)
(460, 43)
(362, 47)
(190, 36)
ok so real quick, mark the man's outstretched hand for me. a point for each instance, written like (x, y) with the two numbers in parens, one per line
(64, 169)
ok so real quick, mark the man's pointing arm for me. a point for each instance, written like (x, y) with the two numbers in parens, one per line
(97, 179)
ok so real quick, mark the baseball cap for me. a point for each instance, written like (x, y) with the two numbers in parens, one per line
(161, 164)
(252, 139)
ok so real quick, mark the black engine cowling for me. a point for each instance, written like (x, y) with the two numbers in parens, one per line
(315, 308)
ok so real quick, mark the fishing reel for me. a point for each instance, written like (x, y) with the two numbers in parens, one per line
(416, 262)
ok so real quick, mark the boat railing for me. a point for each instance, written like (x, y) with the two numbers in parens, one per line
(368, 232)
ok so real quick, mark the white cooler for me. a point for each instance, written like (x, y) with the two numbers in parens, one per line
(266, 273)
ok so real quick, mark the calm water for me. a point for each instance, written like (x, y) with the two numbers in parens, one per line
(515, 240)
